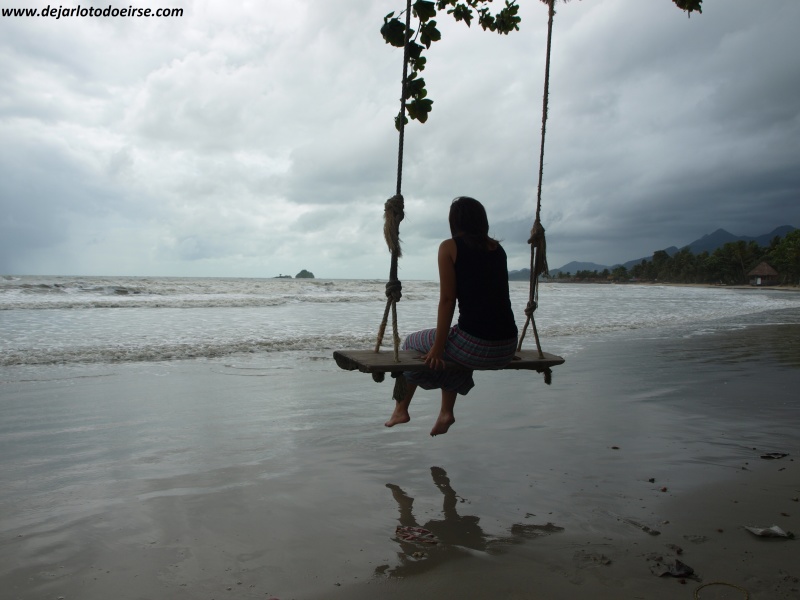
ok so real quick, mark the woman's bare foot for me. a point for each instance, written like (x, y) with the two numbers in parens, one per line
(442, 424)
(400, 415)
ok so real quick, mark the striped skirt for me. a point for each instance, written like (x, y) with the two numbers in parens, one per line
(464, 349)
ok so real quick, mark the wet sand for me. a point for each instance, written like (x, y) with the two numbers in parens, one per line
(251, 478)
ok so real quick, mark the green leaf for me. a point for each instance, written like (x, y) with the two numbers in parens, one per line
(415, 88)
(486, 20)
(419, 109)
(507, 19)
(397, 121)
(394, 33)
(690, 5)
(429, 34)
(424, 10)
(461, 13)
(414, 50)
(418, 64)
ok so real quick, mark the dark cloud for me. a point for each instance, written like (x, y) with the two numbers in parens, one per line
(41, 189)
(251, 135)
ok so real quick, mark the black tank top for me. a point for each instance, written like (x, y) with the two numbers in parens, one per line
(484, 307)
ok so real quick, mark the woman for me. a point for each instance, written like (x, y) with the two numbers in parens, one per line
(473, 272)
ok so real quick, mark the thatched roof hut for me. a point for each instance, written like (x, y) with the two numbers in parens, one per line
(763, 274)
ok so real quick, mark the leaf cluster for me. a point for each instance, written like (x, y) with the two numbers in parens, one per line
(419, 37)
(424, 32)
(689, 5)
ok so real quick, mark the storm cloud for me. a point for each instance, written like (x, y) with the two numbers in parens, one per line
(257, 138)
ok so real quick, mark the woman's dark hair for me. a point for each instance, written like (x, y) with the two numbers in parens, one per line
(468, 221)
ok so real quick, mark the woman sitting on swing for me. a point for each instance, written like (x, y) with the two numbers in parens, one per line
(473, 271)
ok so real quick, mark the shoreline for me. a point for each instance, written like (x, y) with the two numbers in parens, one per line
(716, 286)
(781, 288)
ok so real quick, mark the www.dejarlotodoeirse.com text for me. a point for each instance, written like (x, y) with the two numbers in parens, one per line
(52, 12)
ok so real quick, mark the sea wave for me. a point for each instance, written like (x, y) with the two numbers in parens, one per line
(178, 351)
(226, 301)
(32, 293)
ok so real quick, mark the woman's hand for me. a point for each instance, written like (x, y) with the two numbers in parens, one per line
(434, 359)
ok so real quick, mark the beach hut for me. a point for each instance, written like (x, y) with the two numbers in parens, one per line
(763, 274)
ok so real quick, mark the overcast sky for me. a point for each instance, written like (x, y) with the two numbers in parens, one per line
(255, 138)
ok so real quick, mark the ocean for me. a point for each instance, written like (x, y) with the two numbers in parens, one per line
(82, 320)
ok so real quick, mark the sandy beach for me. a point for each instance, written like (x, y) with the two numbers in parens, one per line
(228, 479)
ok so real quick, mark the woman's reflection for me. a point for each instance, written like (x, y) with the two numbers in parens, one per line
(425, 546)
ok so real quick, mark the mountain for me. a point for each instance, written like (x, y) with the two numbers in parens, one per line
(575, 266)
(672, 251)
(707, 243)
(712, 241)
(766, 240)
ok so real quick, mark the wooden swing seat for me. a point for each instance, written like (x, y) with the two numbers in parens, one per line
(369, 361)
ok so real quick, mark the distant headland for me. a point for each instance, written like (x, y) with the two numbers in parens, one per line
(719, 258)
(304, 274)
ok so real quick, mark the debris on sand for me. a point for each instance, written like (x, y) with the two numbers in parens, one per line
(586, 559)
(663, 568)
(648, 530)
(675, 548)
(773, 531)
(774, 455)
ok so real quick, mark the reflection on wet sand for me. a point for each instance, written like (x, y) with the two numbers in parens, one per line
(453, 536)
(757, 344)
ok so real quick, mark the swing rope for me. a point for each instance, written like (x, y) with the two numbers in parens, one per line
(394, 213)
(538, 264)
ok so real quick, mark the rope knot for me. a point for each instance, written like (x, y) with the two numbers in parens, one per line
(393, 213)
(538, 250)
(537, 233)
(531, 308)
(394, 290)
